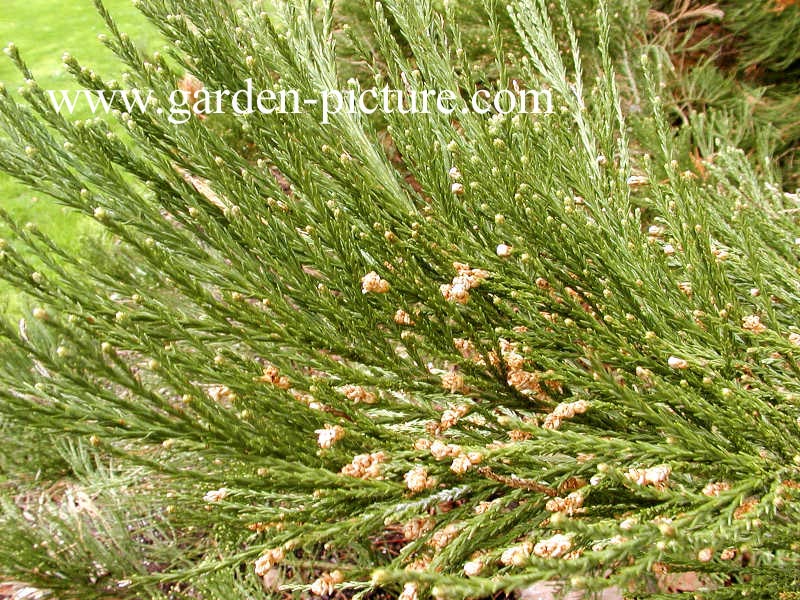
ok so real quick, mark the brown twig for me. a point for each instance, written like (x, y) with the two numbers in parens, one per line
(515, 482)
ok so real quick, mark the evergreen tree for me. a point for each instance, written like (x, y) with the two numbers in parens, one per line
(419, 355)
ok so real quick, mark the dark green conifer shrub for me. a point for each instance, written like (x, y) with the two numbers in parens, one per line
(420, 355)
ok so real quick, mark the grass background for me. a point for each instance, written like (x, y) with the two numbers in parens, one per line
(43, 30)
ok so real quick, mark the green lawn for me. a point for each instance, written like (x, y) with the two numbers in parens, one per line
(43, 30)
